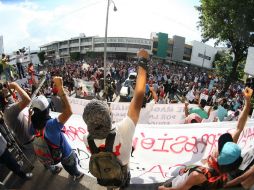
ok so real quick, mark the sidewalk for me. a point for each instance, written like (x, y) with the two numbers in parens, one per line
(44, 180)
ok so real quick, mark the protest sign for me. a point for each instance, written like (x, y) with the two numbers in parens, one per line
(161, 148)
(87, 86)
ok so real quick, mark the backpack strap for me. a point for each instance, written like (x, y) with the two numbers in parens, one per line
(93, 148)
(110, 142)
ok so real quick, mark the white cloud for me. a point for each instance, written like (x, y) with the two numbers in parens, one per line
(31, 24)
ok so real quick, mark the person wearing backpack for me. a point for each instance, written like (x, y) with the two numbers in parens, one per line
(50, 144)
(213, 172)
(111, 145)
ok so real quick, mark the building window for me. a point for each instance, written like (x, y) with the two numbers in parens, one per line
(74, 41)
(124, 45)
(187, 51)
(186, 58)
(63, 43)
(86, 40)
(155, 44)
(170, 47)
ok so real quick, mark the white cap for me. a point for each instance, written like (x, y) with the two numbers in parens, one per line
(40, 102)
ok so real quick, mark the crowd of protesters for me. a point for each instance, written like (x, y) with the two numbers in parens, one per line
(167, 83)
(157, 82)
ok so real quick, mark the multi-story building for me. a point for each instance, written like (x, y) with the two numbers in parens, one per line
(195, 53)
(116, 46)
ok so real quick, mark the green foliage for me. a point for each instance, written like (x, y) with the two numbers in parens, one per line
(75, 56)
(41, 56)
(223, 64)
(230, 22)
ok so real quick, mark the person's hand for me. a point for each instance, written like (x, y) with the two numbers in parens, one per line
(11, 85)
(247, 94)
(58, 81)
(142, 53)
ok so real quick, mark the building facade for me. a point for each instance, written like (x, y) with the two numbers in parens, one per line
(116, 46)
(195, 53)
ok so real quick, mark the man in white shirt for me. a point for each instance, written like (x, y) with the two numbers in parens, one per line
(97, 117)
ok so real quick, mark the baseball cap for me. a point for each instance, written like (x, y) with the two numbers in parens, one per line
(40, 102)
(229, 152)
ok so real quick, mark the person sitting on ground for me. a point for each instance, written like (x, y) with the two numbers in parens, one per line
(213, 174)
(97, 117)
(198, 110)
(51, 130)
(193, 118)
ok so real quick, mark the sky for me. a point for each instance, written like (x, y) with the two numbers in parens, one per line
(37, 22)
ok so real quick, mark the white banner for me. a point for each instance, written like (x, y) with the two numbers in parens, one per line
(249, 66)
(159, 149)
(156, 114)
(77, 105)
(87, 86)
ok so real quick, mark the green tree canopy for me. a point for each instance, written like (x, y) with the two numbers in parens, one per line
(223, 64)
(230, 22)
(75, 56)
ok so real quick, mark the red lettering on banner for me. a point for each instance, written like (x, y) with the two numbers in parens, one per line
(147, 143)
(179, 144)
(74, 133)
(246, 135)
(172, 147)
(153, 170)
(163, 144)
(191, 145)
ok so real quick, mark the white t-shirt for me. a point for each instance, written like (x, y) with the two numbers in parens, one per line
(125, 130)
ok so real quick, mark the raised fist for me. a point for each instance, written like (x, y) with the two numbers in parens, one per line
(247, 93)
(142, 53)
(58, 81)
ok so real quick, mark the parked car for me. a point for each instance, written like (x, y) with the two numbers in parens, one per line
(132, 76)
(125, 94)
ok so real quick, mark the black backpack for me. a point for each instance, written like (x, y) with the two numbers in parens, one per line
(105, 166)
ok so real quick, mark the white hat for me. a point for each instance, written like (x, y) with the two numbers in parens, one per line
(40, 102)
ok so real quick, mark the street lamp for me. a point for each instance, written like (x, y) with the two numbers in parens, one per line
(204, 58)
(105, 42)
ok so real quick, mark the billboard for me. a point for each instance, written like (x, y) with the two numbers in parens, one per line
(249, 66)
(162, 45)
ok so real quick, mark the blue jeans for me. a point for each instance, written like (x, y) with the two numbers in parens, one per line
(69, 164)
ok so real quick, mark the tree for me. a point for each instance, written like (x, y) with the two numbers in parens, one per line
(41, 56)
(75, 56)
(230, 22)
(223, 64)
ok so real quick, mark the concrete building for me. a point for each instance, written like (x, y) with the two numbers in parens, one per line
(117, 47)
(195, 53)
